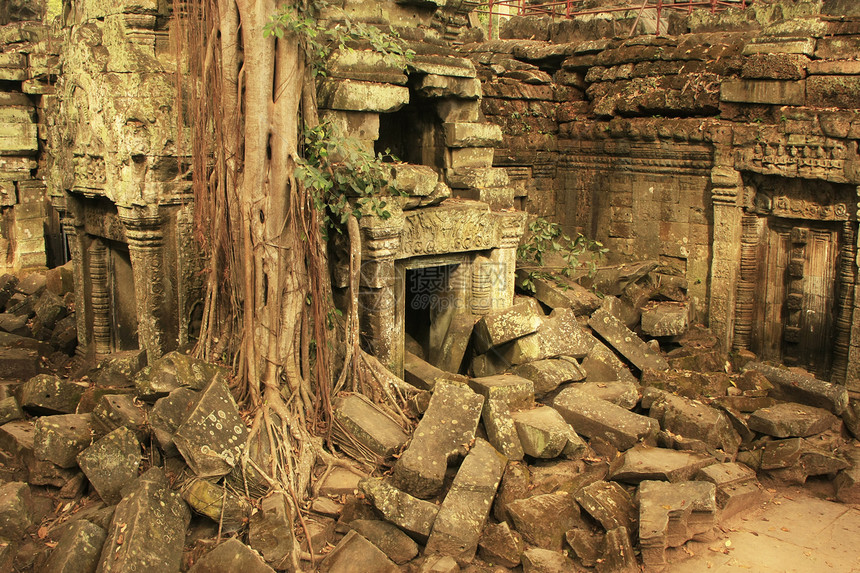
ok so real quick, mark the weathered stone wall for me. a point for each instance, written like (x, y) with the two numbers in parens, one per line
(655, 146)
(28, 67)
(118, 172)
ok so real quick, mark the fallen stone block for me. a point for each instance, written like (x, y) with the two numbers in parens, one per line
(78, 549)
(59, 439)
(16, 510)
(117, 410)
(439, 564)
(211, 439)
(625, 341)
(500, 545)
(464, 511)
(169, 413)
(232, 555)
(672, 514)
(689, 384)
(613, 279)
(646, 463)
(793, 460)
(547, 375)
(341, 481)
(111, 463)
(364, 421)
(665, 318)
(537, 560)
(8, 284)
(14, 324)
(447, 426)
(623, 394)
(147, 531)
(603, 365)
(793, 386)
(20, 363)
(17, 444)
(503, 326)
(10, 410)
(609, 504)
(45, 395)
(559, 335)
(696, 421)
(174, 370)
(355, 553)
(270, 530)
(618, 555)
(412, 515)
(396, 545)
(219, 504)
(424, 375)
(587, 545)
(543, 520)
(738, 489)
(542, 431)
(49, 309)
(788, 420)
(518, 393)
(452, 351)
(561, 292)
(501, 430)
(847, 481)
(596, 418)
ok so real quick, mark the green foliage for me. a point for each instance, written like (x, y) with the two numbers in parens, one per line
(343, 176)
(546, 237)
(319, 40)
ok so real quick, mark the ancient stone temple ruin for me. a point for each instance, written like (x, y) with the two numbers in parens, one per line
(493, 410)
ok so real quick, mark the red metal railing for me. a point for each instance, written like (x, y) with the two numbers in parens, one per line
(567, 8)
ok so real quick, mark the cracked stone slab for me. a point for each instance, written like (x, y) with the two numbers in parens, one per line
(596, 418)
(791, 420)
(626, 341)
(412, 515)
(213, 435)
(444, 431)
(370, 425)
(647, 463)
(467, 505)
(804, 388)
(503, 326)
(694, 420)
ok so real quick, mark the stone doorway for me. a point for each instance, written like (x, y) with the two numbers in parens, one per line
(123, 300)
(797, 305)
(429, 292)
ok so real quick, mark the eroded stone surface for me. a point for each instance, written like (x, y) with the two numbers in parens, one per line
(147, 531)
(111, 463)
(398, 546)
(412, 515)
(231, 555)
(647, 463)
(543, 519)
(270, 530)
(596, 418)
(542, 431)
(625, 341)
(609, 504)
(212, 436)
(46, 394)
(16, 510)
(695, 421)
(497, 328)
(501, 429)
(501, 545)
(78, 549)
(59, 439)
(549, 374)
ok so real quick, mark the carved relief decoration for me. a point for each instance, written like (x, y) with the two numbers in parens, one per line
(447, 230)
(803, 201)
(808, 158)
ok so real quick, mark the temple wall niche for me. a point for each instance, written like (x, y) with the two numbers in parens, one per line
(651, 143)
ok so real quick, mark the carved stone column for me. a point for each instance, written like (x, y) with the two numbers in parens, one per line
(378, 312)
(747, 284)
(725, 196)
(145, 237)
(100, 297)
(852, 375)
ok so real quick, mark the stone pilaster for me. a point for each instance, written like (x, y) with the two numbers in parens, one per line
(852, 374)
(504, 259)
(145, 235)
(75, 236)
(726, 195)
(100, 299)
(381, 330)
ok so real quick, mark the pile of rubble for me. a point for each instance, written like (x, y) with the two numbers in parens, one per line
(552, 443)
(38, 328)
